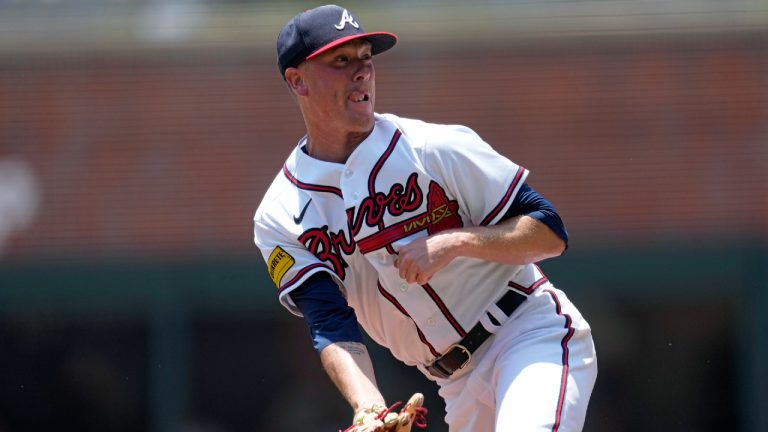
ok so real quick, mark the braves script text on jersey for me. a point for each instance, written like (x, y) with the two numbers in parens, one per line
(408, 179)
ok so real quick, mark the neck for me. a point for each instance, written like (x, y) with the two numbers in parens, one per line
(333, 147)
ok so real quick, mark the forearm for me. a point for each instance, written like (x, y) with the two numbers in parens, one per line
(349, 366)
(520, 240)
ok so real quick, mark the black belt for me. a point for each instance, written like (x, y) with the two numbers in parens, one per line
(459, 354)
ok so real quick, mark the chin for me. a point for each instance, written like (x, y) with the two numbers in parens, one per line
(363, 123)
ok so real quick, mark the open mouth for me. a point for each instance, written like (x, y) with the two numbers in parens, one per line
(358, 96)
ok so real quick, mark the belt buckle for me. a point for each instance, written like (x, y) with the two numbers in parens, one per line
(437, 369)
(466, 351)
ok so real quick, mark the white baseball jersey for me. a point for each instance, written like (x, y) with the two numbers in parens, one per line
(407, 179)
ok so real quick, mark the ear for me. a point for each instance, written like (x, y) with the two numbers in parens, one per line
(295, 80)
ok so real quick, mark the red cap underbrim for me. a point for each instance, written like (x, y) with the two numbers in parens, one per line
(380, 42)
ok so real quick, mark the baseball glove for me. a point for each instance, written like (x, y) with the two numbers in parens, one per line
(383, 419)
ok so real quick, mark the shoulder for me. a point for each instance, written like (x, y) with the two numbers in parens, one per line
(432, 136)
(273, 203)
(278, 200)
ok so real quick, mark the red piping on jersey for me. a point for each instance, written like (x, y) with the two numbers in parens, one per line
(446, 313)
(375, 172)
(564, 344)
(496, 210)
(380, 163)
(301, 273)
(308, 186)
(400, 307)
(529, 289)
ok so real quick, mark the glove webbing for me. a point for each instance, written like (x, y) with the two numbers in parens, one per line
(420, 416)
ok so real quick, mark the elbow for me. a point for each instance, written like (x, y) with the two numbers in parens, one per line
(558, 248)
(551, 246)
(555, 246)
(541, 255)
(552, 243)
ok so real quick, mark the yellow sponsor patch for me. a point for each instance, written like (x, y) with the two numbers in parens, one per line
(279, 263)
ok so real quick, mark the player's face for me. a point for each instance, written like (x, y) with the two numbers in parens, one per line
(341, 87)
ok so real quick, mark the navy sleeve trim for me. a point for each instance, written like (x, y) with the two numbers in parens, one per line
(530, 203)
(329, 317)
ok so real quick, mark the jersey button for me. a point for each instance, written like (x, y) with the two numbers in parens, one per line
(355, 196)
(348, 173)
(430, 321)
(403, 287)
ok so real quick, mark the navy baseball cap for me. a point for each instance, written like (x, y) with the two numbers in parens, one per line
(317, 30)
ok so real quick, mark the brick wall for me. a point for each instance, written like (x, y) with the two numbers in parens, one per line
(633, 139)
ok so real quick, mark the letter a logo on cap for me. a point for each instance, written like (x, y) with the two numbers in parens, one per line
(346, 18)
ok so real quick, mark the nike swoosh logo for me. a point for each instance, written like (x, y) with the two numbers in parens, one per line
(298, 220)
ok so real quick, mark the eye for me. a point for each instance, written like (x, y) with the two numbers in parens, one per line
(341, 58)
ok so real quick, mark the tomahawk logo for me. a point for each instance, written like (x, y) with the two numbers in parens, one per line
(346, 18)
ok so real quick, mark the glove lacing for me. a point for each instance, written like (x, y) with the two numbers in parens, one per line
(419, 419)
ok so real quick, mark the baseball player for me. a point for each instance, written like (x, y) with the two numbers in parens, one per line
(426, 237)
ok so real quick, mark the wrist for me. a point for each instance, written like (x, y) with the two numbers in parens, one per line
(462, 243)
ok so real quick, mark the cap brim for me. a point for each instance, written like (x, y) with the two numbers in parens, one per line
(380, 42)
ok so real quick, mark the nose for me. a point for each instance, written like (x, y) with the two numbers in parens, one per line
(364, 71)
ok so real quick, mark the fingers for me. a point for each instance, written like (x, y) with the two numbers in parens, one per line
(411, 272)
(406, 269)
(422, 278)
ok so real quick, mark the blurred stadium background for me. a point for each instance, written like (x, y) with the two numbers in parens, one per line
(137, 138)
